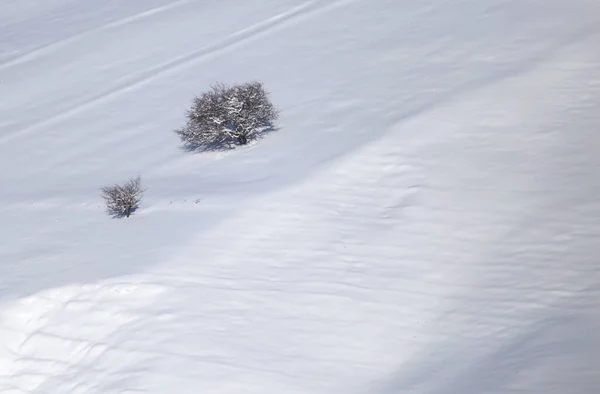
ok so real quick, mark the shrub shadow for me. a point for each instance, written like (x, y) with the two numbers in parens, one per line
(121, 215)
(229, 144)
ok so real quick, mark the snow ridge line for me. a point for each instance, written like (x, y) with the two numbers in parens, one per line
(49, 48)
(307, 9)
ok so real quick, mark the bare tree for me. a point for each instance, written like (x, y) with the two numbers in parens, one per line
(228, 115)
(122, 200)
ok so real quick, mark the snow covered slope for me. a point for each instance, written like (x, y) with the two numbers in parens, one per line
(426, 219)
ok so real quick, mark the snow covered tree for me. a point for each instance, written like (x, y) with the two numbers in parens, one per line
(227, 115)
(122, 200)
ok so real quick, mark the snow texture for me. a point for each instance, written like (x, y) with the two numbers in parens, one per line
(425, 220)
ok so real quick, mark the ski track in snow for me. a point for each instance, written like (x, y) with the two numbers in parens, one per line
(283, 20)
(52, 47)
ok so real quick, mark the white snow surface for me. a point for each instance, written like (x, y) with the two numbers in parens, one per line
(425, 220)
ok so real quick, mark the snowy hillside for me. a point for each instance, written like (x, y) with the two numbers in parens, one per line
(425, 220)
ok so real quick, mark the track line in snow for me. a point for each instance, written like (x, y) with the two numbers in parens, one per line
(54, 46)
(282, 20)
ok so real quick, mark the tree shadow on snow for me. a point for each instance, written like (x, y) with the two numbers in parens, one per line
(123, 215)
(225, 146)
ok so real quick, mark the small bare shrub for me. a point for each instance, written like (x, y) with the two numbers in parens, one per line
(123, 200)
(228, 115)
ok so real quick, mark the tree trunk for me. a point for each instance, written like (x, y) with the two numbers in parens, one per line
(128, 211)
(242, 139)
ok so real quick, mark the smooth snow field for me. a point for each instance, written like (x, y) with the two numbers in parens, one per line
(425, 219)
